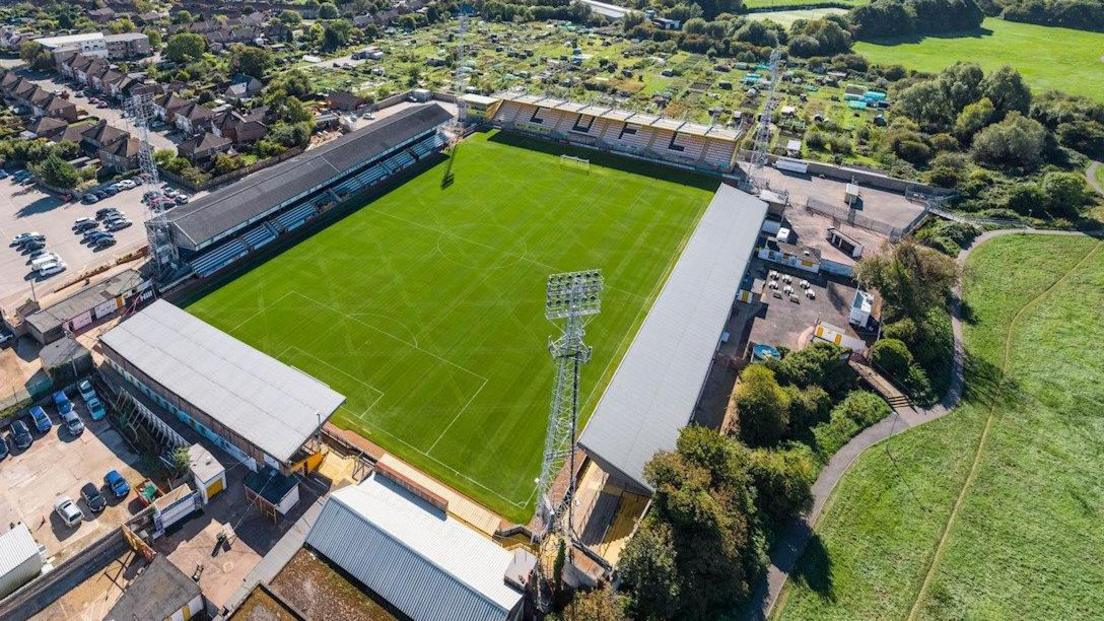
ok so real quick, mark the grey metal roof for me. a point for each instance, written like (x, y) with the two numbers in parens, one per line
(16, 546)
(258, 194)
(423, 562)
(158, 592)
(52, 317)
(272, 405)
(652, 395)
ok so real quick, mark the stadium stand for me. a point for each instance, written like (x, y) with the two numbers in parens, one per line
(227, 224)
(704, 147)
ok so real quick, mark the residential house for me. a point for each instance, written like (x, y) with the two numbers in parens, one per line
(47, 127)
(238, 128)
(203, 148)
(74, 132)
(194, 118)
(345, 101)
(107, 79)
(168, 105)
(121, 155)
(101, 15)
(101, 136)
(60, 107)
(242, 87)
(127, 45)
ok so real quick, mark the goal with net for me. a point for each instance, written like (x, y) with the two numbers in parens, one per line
(570, 162)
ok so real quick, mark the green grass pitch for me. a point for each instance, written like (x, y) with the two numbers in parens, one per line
(425, 306)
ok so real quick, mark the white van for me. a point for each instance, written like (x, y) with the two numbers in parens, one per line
(53, 268)
(45, 259)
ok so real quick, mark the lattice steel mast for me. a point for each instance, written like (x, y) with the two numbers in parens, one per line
(761, 149)
(572, 298)
(162, 249)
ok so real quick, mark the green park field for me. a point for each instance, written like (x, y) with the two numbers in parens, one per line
(992, 512)
(425, 307)
(1049, 58)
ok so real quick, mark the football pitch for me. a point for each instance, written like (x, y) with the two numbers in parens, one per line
(425, 307)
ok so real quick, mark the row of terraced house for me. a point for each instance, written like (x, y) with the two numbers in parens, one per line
(38, 101)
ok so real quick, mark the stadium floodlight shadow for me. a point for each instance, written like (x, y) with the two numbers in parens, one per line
(604, 159)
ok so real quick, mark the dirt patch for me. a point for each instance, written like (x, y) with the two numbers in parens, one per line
(321, 592)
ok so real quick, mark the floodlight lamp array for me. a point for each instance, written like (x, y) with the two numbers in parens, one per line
(573, 294)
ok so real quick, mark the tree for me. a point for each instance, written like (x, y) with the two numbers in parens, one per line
(763, 407)
(290, 18)
(927, 104)
(337, 34)
(184, 47)
(813, 365)
(57, 172)
(911, 278)
(961, 84)
(701, 545)
(601, 604)
(973, 118)
(250, 60)
(809, 406)
(328, 10)
(1027, 198)
(35, 55)
(154, 36)
(649, 571)
(783, 481)
(1008, 92)
(1015, 142)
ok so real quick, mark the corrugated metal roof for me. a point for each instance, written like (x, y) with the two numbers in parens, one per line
(272, 405)
(16, 546)
(425, 563)
(656, 386)
(257, 194)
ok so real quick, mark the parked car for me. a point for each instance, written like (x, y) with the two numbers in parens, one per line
(127, 184)
(117, 484)
(6, 338)
(86, 390)
(96, 407)
(3, 447)
(85, 227)
(41, 420)
(73, 423)
(95, 234)
(3, 174)
(23, 238)
(118, 225)
(102, 242)
(68, 511)
(21, 435)
(180, 199)
(92, 497)
(55, 268)
(82, 221)
(32, 246)
(90, 198)
(105, 212)
(62, 402)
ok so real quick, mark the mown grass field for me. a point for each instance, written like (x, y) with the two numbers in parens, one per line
(1025, 540)
(1049, 58)
(765, 4)
(425, 307)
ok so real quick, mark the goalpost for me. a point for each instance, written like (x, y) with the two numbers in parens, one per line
(570, 162)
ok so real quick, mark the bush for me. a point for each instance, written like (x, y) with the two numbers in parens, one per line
(818, 363)
(893, 356)
(858, 411)
(809, 407)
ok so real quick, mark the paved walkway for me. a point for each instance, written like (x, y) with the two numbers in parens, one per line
(1090, 176)
(789, 546)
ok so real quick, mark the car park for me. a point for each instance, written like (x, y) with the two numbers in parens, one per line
(92, 497)
(117, 484)
(72, 423)
(41, 420)
(68, 511)
(21, 435)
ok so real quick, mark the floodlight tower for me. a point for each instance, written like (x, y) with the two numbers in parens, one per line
(572, 298)
(761, 148)
(162, 249)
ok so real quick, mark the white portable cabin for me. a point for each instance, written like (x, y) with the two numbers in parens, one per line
(852, 191)
(861, 307)
(21, 559)
(791, 165)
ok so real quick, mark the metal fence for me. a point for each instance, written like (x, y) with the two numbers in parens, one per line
(840, 215)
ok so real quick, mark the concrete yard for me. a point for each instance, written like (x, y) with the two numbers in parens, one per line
(57, 464)
(26, 208)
